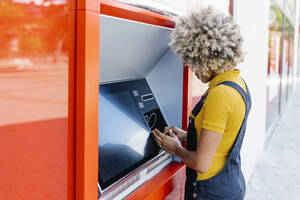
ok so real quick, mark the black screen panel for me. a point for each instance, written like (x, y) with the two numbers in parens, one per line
(124, 135)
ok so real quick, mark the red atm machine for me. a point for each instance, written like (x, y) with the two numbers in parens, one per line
(128, 82)
(83, 84)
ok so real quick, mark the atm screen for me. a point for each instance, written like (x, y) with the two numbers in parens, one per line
(124, 136)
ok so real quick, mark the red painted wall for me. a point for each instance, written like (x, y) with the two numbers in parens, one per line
(36, 59)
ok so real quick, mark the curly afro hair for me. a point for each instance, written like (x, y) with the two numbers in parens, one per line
(208, 39)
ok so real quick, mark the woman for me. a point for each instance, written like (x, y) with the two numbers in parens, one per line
(211, 45)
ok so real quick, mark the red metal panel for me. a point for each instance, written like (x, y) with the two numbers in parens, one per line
(125, 11)
(187, 97)
(87, 94)
(168, 183)
(71, 105)
(36, 151)
(91, 5)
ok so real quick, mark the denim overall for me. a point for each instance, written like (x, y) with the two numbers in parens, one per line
(229, 183)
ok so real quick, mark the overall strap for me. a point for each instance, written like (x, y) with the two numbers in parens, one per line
(247, 99)
(199, 105)
(238, 88)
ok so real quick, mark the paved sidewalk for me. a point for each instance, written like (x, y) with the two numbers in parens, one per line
(277, 174)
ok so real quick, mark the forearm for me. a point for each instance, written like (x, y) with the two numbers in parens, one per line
(183, 137)
(188, 157)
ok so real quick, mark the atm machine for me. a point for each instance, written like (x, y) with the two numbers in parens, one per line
(140, 89)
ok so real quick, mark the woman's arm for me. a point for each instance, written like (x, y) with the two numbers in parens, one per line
(199, 160)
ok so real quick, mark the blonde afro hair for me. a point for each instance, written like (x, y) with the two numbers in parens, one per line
(208, 39)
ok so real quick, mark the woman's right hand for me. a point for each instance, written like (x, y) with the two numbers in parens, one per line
(181, 134)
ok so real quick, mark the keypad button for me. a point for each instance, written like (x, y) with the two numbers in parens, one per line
(141, 105)
(135, 93)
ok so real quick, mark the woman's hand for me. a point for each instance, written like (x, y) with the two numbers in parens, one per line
(170, 143)
(181, 134)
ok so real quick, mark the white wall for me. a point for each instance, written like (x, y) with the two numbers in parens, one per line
(222, 5)
(253, 17)
(179, 5)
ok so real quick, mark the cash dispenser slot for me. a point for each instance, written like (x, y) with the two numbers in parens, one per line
(147, 97)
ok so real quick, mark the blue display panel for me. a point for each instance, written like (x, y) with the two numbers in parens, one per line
(124, 134)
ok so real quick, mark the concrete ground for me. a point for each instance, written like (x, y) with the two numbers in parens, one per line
(277, 174)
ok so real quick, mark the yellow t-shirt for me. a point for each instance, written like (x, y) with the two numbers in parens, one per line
(222, 112)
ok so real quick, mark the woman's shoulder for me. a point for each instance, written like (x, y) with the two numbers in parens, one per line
(219, 94)
(219, 91)
(226, 93)
(227, 89)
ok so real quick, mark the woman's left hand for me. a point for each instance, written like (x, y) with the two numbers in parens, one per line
(169, 142)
